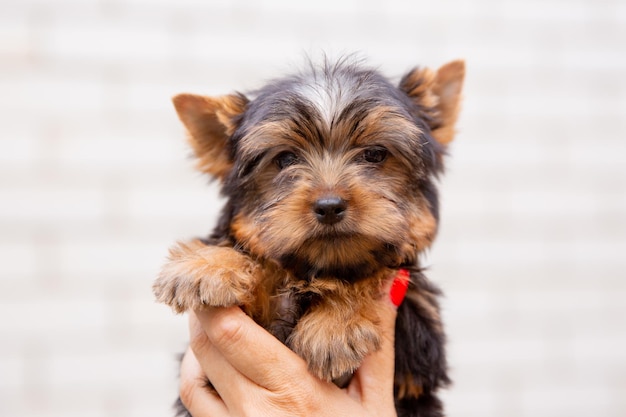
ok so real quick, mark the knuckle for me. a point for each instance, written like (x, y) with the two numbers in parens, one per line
(227, 332)
(198, 341)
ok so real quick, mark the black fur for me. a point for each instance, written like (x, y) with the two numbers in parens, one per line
(420, 348)
(426, 405)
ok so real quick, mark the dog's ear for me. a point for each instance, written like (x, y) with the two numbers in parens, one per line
(210, 122)
(439, 95)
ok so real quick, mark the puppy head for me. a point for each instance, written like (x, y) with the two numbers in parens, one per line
(330, 172)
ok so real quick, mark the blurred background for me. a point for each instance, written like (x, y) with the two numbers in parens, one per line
(96, 183)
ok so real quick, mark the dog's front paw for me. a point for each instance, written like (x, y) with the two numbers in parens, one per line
(333, 347)
(198, 275)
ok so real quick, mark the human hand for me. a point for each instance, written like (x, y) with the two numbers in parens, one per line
(256, 375)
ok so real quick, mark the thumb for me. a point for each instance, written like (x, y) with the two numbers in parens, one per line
(373, 381)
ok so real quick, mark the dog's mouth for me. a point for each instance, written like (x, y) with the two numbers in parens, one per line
(332, 235)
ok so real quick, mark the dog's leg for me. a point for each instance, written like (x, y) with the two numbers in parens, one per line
(420, 352)
(336, 334)
(199, 275)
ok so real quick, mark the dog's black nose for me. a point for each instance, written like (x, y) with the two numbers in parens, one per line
(330, 210)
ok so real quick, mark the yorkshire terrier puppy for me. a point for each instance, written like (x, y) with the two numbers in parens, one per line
(329, 177)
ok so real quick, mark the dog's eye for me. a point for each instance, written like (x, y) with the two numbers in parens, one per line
(285, 159)
(375, 154)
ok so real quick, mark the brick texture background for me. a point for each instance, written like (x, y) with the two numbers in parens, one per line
(95, 184)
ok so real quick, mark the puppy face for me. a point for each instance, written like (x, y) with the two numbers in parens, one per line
(330, 172)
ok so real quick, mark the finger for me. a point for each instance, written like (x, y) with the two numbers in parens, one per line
(250, 349)
(229, 383)
(198, 400)
(373, 381)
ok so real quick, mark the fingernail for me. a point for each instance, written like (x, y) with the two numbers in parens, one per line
(399, 286)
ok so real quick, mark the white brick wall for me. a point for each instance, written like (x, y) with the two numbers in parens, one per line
(95, 184)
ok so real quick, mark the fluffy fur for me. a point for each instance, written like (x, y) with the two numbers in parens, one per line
(329, 177)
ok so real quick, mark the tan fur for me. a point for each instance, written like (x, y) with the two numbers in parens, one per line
(407, 387)
(418, 85)
(209, 122)
(350, 307)
(422, 227)
(373, 215)
(440, 94)
(447, 87)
